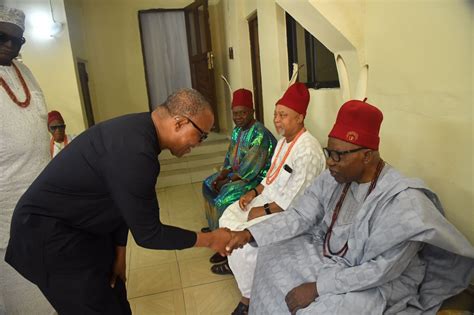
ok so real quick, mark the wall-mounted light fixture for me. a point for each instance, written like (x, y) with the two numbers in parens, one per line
(44, 25)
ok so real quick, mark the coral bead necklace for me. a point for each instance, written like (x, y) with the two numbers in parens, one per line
(10, 93)
(272, 172)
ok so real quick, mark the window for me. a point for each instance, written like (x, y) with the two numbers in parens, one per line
(319, 70)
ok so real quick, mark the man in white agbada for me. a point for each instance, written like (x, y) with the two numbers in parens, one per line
(362, 239)
(297, 160)
(23, 155)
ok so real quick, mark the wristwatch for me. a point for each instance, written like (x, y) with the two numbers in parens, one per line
(266, 207)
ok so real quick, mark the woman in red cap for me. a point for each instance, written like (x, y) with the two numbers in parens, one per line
(57, 128)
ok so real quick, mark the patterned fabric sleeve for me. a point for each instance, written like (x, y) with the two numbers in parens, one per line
(256, 158)
(227, 164)
(271, 160)
(305, 213)
(337, 279)
(233, 142)
(375, 270)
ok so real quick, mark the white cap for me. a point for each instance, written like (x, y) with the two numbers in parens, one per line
(13, 16)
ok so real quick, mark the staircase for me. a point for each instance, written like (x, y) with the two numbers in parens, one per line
(194, 167)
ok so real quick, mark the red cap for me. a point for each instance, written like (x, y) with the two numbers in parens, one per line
(242, 97)
(54, 115)
(296, 97)
(359, 123)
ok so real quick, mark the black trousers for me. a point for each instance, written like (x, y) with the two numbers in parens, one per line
(71, 267)
(86, 293)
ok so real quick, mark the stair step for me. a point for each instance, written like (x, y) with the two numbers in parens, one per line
(193, 161)
(186, 175)
(206, 147)
(201, 162)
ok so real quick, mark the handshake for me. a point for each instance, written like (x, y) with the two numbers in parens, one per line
(223, 240)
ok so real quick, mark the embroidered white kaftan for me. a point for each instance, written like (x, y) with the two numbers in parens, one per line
(403, 256)
(24, 152)
(306, 160)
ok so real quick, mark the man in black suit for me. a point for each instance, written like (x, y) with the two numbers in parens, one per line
(69, 230)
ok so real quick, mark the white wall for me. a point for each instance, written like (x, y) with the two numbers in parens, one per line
(420, 59)
(219, 47)
(239, 69)
(421, 77)
(109, 34)
(51, 62)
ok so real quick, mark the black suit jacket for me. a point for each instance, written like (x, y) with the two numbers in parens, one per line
(86, 199)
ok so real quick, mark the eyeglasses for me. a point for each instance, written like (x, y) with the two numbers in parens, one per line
(336, 155)
(17, 41)
(54, 128)
(203, 135)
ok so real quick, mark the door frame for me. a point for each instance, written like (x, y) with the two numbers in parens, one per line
(256, 68)
(83, 77)
(202, 53)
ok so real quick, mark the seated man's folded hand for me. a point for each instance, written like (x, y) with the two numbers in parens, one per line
(301, 296)
(256, 212)
(220, 180)
(220, 183)
(246, 199)
(238, 240)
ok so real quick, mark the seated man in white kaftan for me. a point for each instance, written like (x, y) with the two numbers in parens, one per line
(362, 239)
(298, 159)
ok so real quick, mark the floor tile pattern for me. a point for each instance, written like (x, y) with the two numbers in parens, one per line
(178, 282)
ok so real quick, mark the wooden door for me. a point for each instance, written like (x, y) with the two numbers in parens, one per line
(256, 72)
(201, 58)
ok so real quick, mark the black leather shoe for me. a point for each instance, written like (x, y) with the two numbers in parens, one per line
(217, 259)
(241, 309)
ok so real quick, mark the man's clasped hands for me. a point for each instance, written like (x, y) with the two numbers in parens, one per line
(224, 241)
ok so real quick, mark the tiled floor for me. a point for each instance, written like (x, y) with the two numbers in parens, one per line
(178, 282)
